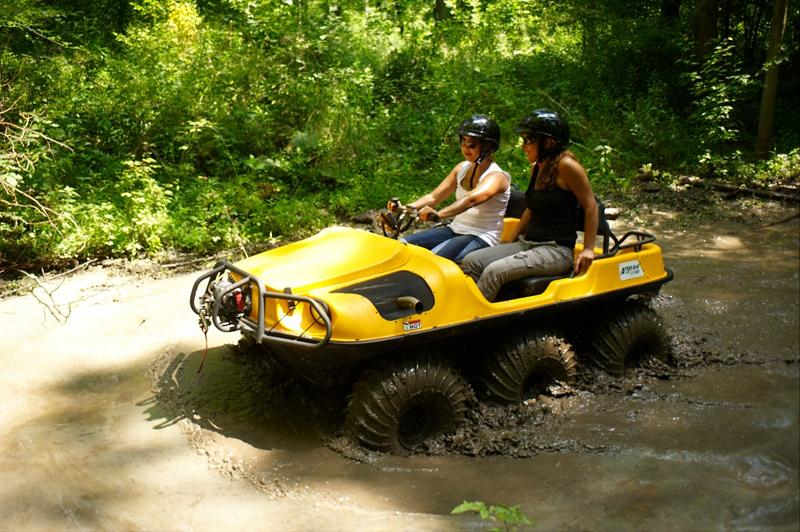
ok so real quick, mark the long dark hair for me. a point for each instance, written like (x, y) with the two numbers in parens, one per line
(553, 155)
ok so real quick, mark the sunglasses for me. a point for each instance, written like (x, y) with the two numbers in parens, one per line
(469, 143)
(527, 141)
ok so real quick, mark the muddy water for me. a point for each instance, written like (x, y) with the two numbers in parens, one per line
(710, 443)
(106, 423)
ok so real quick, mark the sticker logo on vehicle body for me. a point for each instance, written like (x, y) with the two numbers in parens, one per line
(412, 325)
(630, 270)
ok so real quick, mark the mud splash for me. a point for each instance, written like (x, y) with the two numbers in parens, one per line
(257, 400)
(661, 425)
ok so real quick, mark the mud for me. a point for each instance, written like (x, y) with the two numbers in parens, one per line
(126, 433)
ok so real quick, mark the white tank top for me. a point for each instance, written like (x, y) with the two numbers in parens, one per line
(484, 220)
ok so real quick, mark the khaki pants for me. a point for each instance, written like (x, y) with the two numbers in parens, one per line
(495, 266)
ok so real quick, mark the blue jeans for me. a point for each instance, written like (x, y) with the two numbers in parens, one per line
(446, 243)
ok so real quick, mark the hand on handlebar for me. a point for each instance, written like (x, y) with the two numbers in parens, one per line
(395, 205)
(427, 214)
(397, 218)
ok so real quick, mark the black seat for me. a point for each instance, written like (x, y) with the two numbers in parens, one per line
(529, 286)
(516, 203)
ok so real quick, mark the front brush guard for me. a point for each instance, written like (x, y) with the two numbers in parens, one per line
(244, 323)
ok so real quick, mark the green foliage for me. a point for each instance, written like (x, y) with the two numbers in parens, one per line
(719, 87)
(508, 517)
(780, 168)
(142, 204)
(133, 127)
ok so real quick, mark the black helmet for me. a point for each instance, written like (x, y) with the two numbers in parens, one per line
(545, 122)
(481, 127)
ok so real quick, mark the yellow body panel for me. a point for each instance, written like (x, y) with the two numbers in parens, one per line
(509, 224)
(340, 257)
(331, 257)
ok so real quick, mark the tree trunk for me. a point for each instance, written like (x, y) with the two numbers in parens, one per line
(706, 27)
(725, 19)
(753, 35)
(670, 10)
(440, 11)
(589, 42)
(767, 113)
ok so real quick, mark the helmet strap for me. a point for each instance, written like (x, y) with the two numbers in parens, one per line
(482, 157)
(474, 169)
(540, 151)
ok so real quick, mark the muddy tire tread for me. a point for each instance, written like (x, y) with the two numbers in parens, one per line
(616, 337)
(511, 364)
(380, 398)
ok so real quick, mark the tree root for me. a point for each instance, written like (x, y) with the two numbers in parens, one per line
(734, 190)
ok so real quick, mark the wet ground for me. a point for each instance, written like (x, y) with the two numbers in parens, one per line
(107, 423)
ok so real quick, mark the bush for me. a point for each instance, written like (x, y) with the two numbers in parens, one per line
(230, 123)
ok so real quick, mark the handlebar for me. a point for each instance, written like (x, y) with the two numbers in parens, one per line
(396, 219)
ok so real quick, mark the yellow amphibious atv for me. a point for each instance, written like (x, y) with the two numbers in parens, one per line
(404, 327)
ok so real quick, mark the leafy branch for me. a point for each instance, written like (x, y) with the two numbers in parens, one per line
(20, 143)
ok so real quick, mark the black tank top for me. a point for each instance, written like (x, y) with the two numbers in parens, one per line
(553, 214)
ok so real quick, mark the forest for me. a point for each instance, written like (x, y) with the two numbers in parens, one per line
(146, 127)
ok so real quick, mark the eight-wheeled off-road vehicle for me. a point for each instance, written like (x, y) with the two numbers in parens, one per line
(405, 329)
